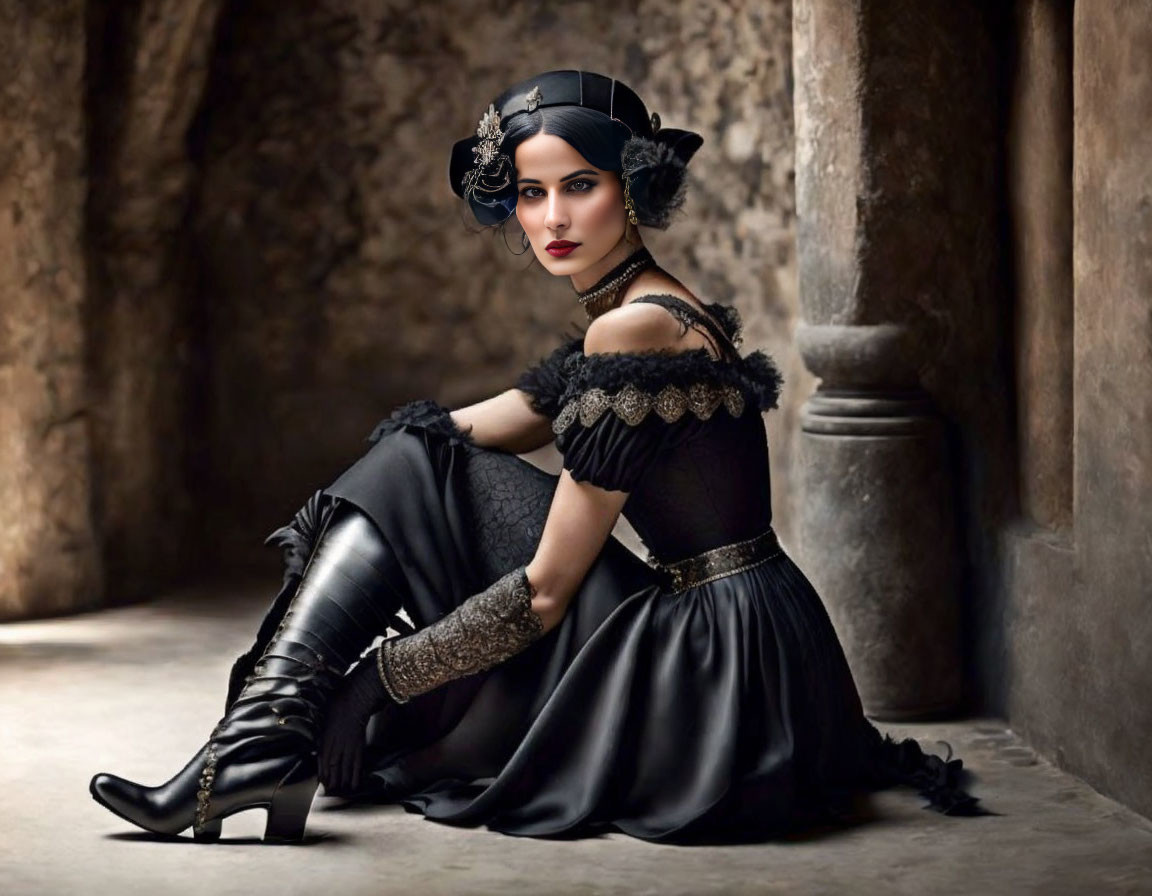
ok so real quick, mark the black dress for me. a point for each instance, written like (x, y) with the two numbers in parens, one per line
(724, 711)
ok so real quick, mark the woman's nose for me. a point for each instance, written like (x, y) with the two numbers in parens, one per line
(557, 215)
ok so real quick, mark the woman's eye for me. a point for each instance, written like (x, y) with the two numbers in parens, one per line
(576, 186)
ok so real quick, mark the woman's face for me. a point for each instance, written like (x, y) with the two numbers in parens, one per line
(569, 205)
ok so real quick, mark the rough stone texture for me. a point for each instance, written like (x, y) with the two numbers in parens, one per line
(203, 413)
(1081, 633)
(890, 584)
(98, 417)
(340, 276)
(1053, 834)
(1060, 563)
(898, 212)
(146, 73)
(828, 150)
(900, 201)
(49, 558)
(1040, 204)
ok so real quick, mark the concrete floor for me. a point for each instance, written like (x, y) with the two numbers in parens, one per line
(136, 691)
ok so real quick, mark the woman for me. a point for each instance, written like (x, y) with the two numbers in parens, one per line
(553, 684)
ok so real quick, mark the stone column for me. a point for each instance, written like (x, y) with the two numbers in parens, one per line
(876, 518)
(877, 513)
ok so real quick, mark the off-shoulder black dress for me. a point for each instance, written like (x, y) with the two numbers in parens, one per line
(698, 701)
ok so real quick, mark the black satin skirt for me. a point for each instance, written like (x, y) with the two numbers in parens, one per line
(722, 713)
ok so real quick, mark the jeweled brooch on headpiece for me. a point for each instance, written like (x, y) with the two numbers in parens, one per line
(492, 171)
(490, 136)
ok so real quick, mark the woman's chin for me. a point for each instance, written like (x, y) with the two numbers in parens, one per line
(564, 266)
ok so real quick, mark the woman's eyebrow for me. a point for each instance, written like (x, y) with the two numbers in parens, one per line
(531, 180)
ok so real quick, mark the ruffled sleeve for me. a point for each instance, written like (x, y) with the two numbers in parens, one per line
(621, 410)
(422, 414)
(546, 381)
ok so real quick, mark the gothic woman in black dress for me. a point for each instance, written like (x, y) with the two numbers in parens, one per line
(548, 682)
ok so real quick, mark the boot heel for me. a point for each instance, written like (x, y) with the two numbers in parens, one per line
(288, 810)
(210, 833)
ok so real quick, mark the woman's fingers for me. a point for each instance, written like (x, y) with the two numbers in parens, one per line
(340, 754)
(329, 760)
(340, 760)
(349, 766)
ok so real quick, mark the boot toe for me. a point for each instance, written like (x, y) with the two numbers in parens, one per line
(111, 791)
(133, 803)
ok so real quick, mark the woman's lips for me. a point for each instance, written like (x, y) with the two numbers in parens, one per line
(560, 248)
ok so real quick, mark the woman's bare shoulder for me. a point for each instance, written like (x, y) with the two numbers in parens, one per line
(630, 328)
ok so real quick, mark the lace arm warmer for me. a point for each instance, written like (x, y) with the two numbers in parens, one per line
(485, 630)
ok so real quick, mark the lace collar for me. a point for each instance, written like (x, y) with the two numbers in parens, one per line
(604, 294)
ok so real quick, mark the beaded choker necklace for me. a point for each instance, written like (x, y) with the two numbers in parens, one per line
(605, 293)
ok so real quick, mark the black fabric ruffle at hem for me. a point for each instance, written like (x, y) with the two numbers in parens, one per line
(937, 779)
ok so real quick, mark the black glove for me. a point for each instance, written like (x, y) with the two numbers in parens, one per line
(341, 755)
(483, 631)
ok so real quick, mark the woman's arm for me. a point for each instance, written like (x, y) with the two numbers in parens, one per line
(506, 422)
(579, 522)
(506, 617)
(483, 631)
(582, 514)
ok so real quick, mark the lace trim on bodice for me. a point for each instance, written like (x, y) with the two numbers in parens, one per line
(632, 404)
(671, 383)
(571, 387)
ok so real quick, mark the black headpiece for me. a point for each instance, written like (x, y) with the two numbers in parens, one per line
(653, 159)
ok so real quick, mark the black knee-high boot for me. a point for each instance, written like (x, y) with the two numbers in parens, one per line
(263, 752)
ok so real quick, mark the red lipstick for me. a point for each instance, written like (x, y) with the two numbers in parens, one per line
(560, 248)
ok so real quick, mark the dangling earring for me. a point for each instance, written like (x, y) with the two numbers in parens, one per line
(524, 243)
(628, 204)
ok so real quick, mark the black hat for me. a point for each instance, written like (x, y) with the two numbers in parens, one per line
(479, 172)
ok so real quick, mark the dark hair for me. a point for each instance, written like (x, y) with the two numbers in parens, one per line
(593, 134)
(656, 175)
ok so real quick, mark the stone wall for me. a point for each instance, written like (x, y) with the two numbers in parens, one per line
(900, 253)
(1078, 566)
(339, 274)
(231, 248)
(978, 174)
(147, 64)
(1039, 191)
(49, 555)
(98, 343)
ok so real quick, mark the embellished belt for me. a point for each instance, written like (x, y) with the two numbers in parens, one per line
(718, 562)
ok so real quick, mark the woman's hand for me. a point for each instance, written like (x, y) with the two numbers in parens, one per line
(341, 753)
